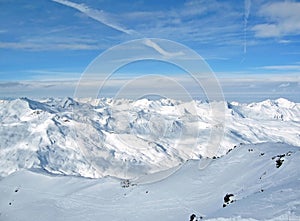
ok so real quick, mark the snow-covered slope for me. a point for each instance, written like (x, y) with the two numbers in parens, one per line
(251, 182)
(125, 138)
(48, 147)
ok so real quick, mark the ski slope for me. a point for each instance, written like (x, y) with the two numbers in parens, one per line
(262, 189)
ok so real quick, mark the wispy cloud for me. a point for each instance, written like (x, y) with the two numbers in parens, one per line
(282, 19)
(192, 22)
(53, 75)
(284, 85)
(282, 67)
(12, 84)
(247, 4)
(37, 46)
(48, 43)
(195, 22)
(161, 51)
(37, 89)
(284, 41)
(100, 16)
(235, 89)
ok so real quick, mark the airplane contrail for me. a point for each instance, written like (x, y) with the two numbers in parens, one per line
(97, 15)
(246, 16)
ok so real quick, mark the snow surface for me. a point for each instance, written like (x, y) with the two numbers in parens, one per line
(124, 138)
(261, 191)
(147, 157)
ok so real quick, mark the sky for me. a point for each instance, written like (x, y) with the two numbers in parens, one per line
(252, 46)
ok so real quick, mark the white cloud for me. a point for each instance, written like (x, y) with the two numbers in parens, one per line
(284, 41)
(38, 46)
(97, 15)
(49, 42)
(284, 84)
(266, 30)
(161, 51)
(282, 19)
(281, 67)
(196, 7)
(193, 23)
(196, 21)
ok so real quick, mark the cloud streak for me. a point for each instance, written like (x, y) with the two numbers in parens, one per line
(161, 51)
(97, 15)
(247, 4)
(189, 24)
(282, 19)
(282, 67)
(39, 46)
(59, 42)
(235, 89)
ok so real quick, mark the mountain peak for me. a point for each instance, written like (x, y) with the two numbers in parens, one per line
(143, 135)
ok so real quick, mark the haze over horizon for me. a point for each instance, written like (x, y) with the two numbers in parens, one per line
(252, 46)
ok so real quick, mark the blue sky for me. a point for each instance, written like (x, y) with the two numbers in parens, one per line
(45, 44)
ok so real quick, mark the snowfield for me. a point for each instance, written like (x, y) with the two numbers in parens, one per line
(261, 190)
(146, 158)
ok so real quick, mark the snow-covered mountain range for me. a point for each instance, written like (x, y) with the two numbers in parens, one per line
(125, 138)
(149, 157)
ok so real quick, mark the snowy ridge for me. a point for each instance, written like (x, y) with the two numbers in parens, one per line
(124, 138)
(251, 182)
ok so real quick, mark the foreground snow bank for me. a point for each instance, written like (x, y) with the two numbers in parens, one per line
(262, 181)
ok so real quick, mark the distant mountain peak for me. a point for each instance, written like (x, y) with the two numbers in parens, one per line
(99, 137)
